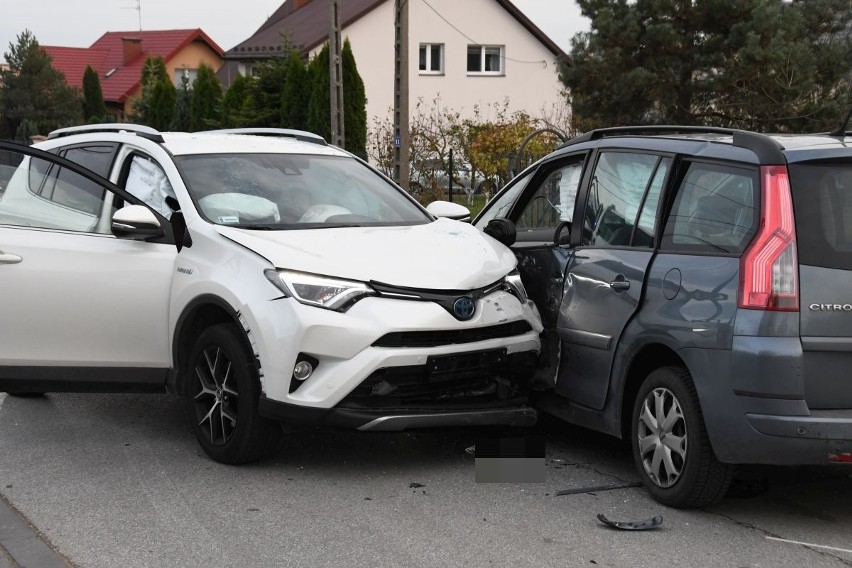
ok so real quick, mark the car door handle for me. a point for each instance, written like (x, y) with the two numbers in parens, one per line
(6, 258)
(620, 284)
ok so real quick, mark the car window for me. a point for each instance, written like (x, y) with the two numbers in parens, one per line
(822, 198)
(616, 193)
(42, 194)
(715, 210)
(294, 191)
(501, 205)
(553, 201)
(147, 181)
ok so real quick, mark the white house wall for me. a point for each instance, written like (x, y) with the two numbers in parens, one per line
(530, 82)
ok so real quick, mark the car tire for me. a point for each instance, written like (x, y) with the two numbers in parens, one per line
(222, 398)
(675, 459)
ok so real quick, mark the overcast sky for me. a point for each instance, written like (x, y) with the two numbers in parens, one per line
(78, 23)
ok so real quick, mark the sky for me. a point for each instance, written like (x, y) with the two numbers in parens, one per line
(78, 23)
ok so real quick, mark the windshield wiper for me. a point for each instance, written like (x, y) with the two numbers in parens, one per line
(258, 227)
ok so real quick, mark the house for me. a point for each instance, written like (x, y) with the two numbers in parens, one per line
(471, 54)
(118, 58)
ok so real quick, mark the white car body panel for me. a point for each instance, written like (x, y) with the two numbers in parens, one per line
(85, 300)
(443, 254)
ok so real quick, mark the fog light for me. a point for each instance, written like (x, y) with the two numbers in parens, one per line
(302, 370)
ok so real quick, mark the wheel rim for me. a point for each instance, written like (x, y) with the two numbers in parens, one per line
(662, 437)
(216, 396)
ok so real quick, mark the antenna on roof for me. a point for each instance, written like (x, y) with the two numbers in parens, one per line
(138, 9)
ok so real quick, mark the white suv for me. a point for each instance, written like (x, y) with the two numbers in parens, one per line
(264, 275)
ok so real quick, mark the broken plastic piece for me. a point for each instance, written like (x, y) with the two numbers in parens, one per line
(597, 488)
(651, 523)
(415, 485)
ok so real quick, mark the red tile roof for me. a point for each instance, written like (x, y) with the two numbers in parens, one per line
(106, 56)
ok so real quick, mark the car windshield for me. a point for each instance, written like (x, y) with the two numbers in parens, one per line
(294, 191)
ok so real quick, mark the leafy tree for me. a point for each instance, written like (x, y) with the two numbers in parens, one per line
(183, 107)
(772, 65)
(94, 107)
(206, 99)
(354, 104)
(32, 90)
(156, 106)
(295, 94)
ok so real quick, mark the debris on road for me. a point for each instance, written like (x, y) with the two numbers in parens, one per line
(646, 524)
(415, 485)
(598, 488)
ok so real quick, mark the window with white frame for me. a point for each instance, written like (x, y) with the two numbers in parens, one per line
(485, 59)
(431, 58)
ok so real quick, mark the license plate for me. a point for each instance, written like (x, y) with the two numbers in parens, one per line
(444, 366)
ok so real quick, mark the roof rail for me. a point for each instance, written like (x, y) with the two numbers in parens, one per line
(302, 135)
(767, 149)
(138, 129)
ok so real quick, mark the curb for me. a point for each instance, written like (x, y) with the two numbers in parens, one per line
(21, 546)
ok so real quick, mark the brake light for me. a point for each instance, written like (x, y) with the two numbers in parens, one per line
(769, 268)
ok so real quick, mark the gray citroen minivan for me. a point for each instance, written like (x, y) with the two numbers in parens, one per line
(695, 285)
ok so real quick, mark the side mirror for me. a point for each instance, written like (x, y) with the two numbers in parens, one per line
(562, 235)
(137, 223)
(449, 210)
(501, 230)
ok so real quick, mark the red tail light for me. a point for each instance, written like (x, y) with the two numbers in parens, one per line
(769, 269)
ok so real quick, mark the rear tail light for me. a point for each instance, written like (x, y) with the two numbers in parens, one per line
(769, 269)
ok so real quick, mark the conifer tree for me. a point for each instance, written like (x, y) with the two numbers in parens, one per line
(94, 107)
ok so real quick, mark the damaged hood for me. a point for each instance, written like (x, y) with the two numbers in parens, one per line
(441, 255)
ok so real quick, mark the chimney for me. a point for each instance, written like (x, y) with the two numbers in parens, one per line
(131, 48)
(300, 3)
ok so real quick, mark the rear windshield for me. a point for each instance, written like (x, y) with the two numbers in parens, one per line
(822, 200)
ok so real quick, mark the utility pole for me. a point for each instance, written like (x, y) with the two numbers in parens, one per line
(400, 90)
(335, 68)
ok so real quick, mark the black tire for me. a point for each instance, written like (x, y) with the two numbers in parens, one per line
(222, 397)
(675, 462)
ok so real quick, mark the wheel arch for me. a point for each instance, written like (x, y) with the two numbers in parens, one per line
(649, 357)
(199, 314)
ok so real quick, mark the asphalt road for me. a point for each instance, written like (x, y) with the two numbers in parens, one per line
(118, 480)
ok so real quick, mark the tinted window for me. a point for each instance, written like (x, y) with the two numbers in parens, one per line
(715, 210)
(822, 200)
(616, 194)
(41, 194)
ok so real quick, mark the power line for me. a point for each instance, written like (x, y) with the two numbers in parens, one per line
(473, 41)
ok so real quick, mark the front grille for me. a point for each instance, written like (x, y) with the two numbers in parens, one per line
(451, 337)
(468, 379)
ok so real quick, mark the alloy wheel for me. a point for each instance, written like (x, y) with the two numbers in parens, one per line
(216, 399)
(662, 437)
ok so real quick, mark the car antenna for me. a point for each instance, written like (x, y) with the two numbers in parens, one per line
(841, 132)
